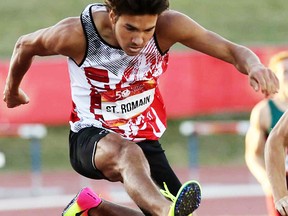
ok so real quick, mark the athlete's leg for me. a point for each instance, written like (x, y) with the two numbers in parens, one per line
(86, 203)
(82, 151)
(111, 209)
(161, 170)
(122, 160)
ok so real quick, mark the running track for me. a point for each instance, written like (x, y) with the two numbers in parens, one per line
(227, 191)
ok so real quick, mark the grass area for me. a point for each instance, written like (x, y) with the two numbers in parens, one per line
(247, 22)
(18, 18)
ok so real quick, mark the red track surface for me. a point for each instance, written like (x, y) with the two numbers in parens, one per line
(69, 182)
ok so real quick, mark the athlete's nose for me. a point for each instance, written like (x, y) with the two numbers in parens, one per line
(137, 40)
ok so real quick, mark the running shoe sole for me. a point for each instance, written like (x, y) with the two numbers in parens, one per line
(188, 199)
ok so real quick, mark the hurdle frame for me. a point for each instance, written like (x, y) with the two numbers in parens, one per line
(193, 129)
(34, 133)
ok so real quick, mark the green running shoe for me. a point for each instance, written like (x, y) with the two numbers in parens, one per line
(187, 200)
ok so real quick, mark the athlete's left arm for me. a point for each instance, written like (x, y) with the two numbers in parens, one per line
(275, 153)
(173, 27)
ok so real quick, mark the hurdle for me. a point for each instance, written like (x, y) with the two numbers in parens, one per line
(192, 129)
(34, 133)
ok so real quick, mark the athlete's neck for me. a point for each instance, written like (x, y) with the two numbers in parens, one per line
(104, 27)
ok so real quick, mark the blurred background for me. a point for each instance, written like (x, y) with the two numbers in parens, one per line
(34, 158)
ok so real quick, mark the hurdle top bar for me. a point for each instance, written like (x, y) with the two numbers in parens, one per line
(26, 131)
(188, 128)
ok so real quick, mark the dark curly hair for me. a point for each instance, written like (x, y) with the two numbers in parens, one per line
(137, 7)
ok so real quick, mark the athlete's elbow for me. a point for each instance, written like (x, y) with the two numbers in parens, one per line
(23, 48)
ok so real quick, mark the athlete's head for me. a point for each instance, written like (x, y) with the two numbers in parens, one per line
(137, 7)
(134, 22)
(279, 65)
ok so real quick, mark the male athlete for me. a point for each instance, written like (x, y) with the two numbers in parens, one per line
(263, 118)
(116, 53)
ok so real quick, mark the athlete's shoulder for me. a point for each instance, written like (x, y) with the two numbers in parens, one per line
(261, 105)
(172, 28)
(68, 28)
(170, 18)
(66, 37)
(260, 114)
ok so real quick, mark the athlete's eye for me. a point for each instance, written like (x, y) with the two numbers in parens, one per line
(149, 30)
(130, 28)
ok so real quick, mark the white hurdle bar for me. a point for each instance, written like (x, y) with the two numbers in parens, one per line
(192, 129)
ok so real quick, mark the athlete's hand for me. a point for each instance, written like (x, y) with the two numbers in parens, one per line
(262, 78)
(282, 206)
(14, 99)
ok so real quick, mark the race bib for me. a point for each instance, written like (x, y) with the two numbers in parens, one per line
(126, 103)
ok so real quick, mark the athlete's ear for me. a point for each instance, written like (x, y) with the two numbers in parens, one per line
(112, 17)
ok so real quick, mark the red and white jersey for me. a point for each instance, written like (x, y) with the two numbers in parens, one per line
(115, 91)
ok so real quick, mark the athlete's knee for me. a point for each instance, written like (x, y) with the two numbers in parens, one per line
(131, 151)
(132, 156)
(117, 149)
(129, 157)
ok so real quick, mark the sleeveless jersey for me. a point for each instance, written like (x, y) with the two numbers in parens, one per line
(115, 91)
(275, 114)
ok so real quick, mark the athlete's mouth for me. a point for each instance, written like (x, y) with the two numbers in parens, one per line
(135, 49)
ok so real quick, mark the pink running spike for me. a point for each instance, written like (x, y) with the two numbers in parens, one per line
(82, 203)
(88, 199)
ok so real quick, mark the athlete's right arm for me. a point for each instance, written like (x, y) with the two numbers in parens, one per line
(275, 152)
(64, 38)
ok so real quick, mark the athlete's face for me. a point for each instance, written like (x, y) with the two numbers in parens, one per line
(133, 32)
